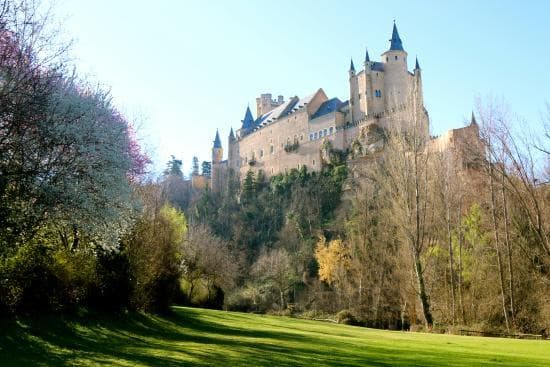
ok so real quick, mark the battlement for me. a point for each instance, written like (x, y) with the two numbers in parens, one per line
(266, 103)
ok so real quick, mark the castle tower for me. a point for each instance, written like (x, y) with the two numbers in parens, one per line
(265, 103)
(354, 107)
(418, 93)
(367, 87)
(217, 156)
(232, 150)
(396, 86)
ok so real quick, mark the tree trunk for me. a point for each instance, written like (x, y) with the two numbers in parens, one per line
(459, 278)
(422, 294)
(416, 247)
(281, 294)
(509, 251)
(497, 247)
(76, 238)
(451, 264)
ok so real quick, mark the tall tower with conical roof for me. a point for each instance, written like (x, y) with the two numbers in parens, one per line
(418, 94)
(217, 156)
(353, 93)
(232, 151)
(396, 87)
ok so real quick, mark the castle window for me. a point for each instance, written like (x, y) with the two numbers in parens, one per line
(271, 149)
(320, 133)
(261, 153)
(301, 137)
(331, 130)
(310, 137)
(271, 169)
(396, 57)
(315, 135)
(359, 95)
(313, 162)
(387, 59)
(325, 132)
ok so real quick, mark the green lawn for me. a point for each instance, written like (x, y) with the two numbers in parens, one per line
(198, 337)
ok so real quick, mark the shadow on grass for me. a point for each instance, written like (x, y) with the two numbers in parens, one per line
(186, 338)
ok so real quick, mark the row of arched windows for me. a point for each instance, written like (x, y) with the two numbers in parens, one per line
(321, 133)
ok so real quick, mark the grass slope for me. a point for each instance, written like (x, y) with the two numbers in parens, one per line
(198, 337)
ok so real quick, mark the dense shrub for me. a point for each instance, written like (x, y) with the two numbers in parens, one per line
(38, 278)
(347, 317)
(113, 282)
(239, 300)
(154, 253)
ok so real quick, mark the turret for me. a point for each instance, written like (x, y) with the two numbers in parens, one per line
(396, 55)
(265, 103)
(418, 92)
(368, 63)
(473, 121)
(232, 150)
(217, 150)
(351, 69)
(396, 44)
(396, 85)
(353, 92)
(217, 155)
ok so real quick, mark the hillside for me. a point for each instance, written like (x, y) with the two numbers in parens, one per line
(200, 337)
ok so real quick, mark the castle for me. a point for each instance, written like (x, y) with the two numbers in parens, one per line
(291, 134)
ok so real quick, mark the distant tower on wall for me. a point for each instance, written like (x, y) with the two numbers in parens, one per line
(232, 148)
(217, 155)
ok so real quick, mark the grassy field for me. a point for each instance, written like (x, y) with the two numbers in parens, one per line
(195, 337)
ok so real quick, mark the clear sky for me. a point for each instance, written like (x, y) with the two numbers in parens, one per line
(188, 67)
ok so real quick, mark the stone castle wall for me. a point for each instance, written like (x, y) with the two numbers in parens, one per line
(385, 93)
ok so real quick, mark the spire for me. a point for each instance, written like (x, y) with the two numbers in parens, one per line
(417, 66)
(367, 58)
(473, 121)
(231, 135)
(396, 44)
(351, 67)
(248, 121)
(217, 141)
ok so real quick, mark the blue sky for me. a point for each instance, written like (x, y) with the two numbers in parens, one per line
(186, 68)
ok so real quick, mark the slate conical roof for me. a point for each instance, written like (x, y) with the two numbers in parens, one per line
(248, 121)
(351, 66)
(367, 58)
(396, 44)
(473, 121)
(217, 141)
(417, 66)
(231, 135)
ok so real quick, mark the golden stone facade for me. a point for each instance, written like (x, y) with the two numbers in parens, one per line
(290, 134)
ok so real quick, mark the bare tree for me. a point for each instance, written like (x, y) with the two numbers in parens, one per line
(404, 174)
(274, 268)
(208, 259)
